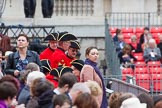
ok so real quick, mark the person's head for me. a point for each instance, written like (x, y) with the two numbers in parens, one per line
(125, 96)
(127, 49)
(22, 41)
(77, 66)
(120, 37)
(30, 67)
(64, 45)
(34, 75)
(52, 40)
(92, 54)
(132, 103)
(40, 86)
(61, 101)
(53, 44)
(67, 81)
(8, 91)
(94, 87)
(114, 99)
(146, 30)
(73, 49)
(85, 100)
(11, 79)
(133, 39)
(158, 104)
(152, 44)
(77, 89)
(64, 39)
(118, 31)
(145, 98)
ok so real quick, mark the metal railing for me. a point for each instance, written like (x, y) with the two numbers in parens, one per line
(31, 31)
(134, 19)
(110, 53)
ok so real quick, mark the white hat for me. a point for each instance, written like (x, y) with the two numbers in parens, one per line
(132, 103)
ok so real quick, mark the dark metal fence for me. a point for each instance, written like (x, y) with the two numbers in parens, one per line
(126, 19)
(31, 31)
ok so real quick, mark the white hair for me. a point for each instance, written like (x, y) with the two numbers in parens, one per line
(81, 87)
(34, 75)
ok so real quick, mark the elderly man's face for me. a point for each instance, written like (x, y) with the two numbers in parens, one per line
(152, 45)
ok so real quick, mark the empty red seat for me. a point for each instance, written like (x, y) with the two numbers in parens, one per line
(140, 64)
(143, 80)
(138, 35)
(128, 41)
(139, 30)
(156, 30)
(139, 70)
(127, 35)
(154, 64)
(127, 71)
(139, 58)
(156, 35)
(156, 70)
(157, 82)
(113, 29)
(127, 30)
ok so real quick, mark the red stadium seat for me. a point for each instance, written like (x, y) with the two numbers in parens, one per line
(127, 35)
(154, 64)
(113, 29)
(156, 35)
(140, 64)
(127, 30)
(139, 30)
(128, 41)
(127, 71)
(156, 30)
(141, 70)
(157, 82)
(139, 58)
(143, 80)
(113, 34)
(157, 70)
(138, 35)
(137, 54)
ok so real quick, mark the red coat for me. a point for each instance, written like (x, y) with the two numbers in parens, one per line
(69, 60)
(46, 54)
(58, 58)
(51, 79)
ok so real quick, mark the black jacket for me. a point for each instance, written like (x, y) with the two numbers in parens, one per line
(14, 57)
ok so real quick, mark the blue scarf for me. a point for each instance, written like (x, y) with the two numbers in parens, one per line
(104, 103)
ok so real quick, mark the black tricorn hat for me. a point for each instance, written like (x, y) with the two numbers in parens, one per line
(75, 44)
(65, 36)
(52, 36)
(46, 66)
(58, 72)
(78, 64)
